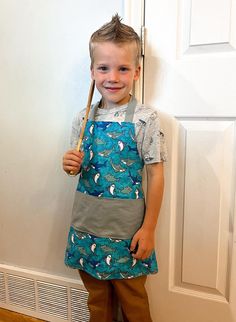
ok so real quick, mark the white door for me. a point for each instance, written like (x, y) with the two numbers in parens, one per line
(190, 75)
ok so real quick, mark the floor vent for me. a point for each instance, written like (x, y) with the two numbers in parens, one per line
(79, 311)
(21, 292)
(44, 296)
(2, 288)
(53, 299)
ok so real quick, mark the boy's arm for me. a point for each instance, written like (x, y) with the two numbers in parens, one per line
(145, 236)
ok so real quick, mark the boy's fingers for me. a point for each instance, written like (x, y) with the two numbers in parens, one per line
(75, 155)
(79, 154)
(134, 244)
(140, 253)
(143, 253)
(71, 163)
(75, 152)
(71, 156)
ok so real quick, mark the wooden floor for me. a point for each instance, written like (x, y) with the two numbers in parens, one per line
(9, 316)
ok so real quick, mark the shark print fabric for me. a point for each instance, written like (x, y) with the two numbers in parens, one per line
(112, 168)
(105, 258)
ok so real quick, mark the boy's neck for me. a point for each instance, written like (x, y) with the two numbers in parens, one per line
(103, 104)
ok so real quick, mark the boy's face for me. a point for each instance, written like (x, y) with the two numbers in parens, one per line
(114, 71)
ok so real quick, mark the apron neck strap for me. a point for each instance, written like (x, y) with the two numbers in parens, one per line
(130, 109)
(93, 111)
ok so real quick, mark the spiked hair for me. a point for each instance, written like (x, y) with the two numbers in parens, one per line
(116, 32)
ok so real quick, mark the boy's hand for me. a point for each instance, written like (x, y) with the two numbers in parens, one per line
(143, 241)
(72, 161)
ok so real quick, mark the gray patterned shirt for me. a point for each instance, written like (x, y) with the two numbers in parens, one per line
(149, 136)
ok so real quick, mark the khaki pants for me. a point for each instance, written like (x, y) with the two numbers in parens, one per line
(131, 294)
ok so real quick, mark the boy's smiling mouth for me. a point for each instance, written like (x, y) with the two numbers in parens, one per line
(113, 89)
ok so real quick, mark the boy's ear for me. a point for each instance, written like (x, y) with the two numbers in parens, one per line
(137, 73)
(92, 72)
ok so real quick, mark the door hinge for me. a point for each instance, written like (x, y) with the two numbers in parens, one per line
(143, 31)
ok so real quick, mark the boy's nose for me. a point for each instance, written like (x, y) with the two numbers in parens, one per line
(113, 76)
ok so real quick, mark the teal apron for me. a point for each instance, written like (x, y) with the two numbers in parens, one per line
(109, 204)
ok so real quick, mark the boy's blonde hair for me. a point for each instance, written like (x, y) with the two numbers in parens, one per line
(116, 32)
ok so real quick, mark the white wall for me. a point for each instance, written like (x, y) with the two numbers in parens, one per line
(44, 80)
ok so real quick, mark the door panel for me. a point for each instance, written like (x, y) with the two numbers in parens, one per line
(210, 21)
(190, 77)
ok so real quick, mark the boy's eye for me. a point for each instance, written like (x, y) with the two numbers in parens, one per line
(103, 68)
(124, 69)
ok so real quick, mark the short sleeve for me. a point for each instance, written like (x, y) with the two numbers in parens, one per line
(75, 132)
(153, 146)
(77, 124)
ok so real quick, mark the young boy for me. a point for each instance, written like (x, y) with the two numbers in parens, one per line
(111, 239)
